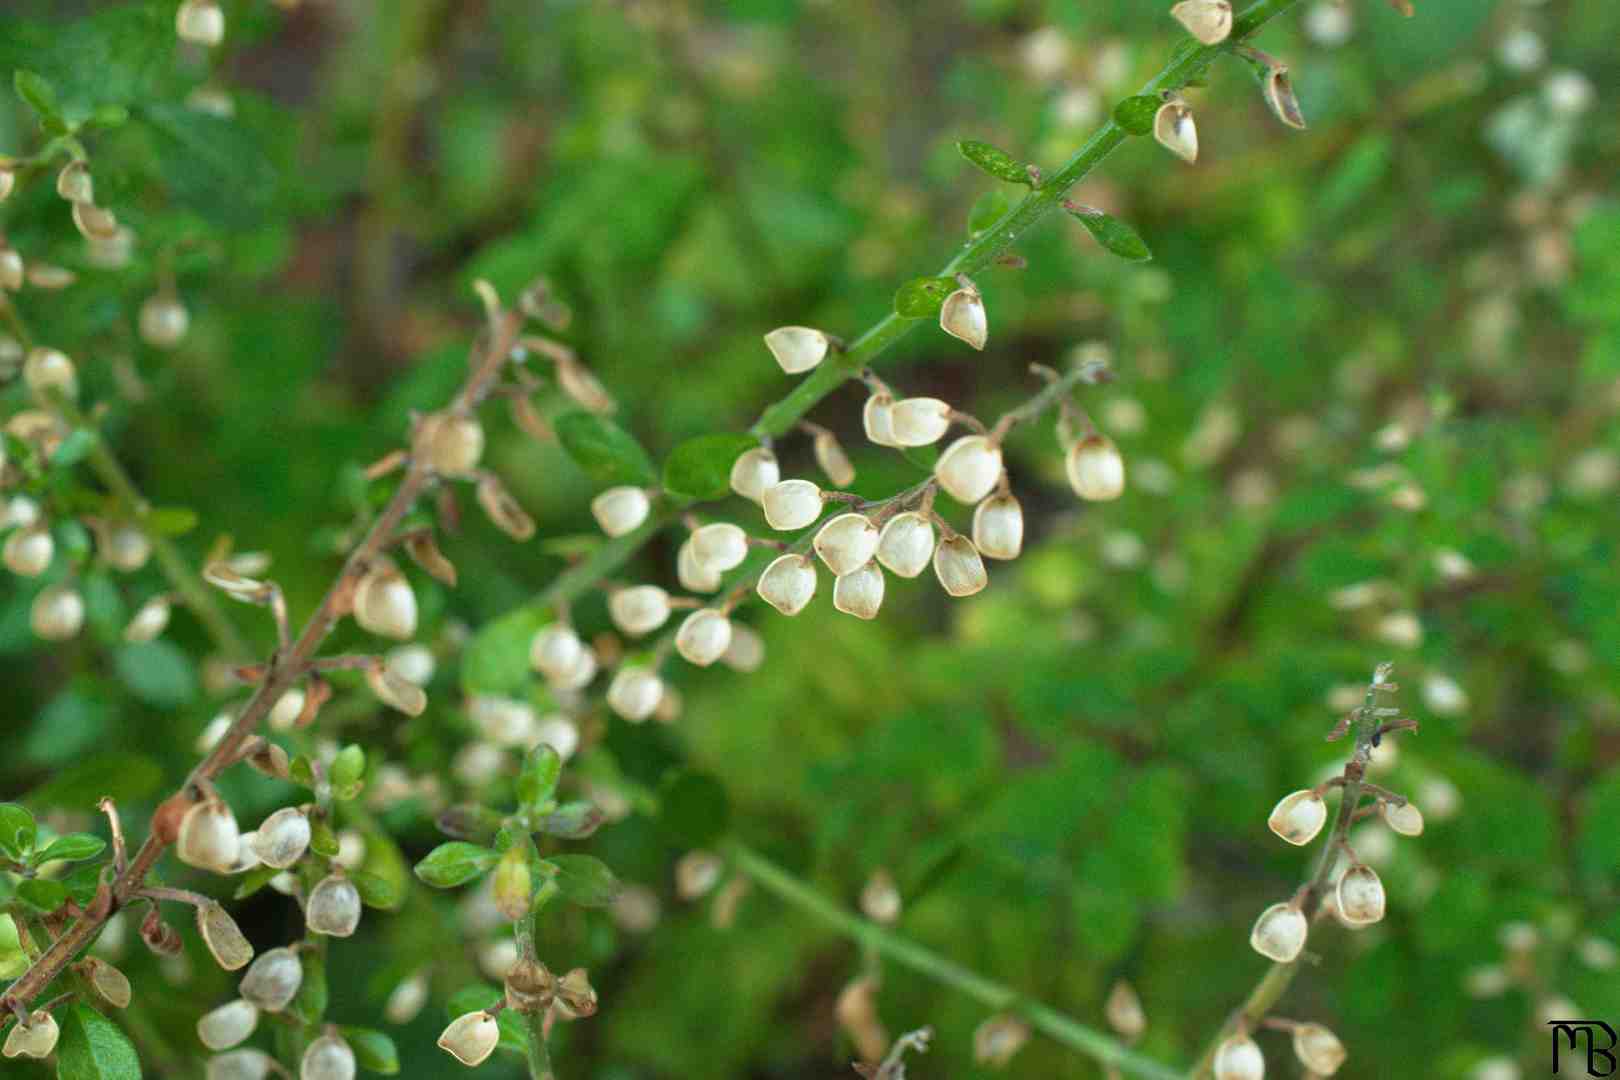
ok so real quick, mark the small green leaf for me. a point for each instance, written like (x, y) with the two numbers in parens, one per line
(171, 520)
(1135, 114)
(82, 882)
(212, 164)
(376, 892)
(74, 449)
(158, 673)
(537, 783)
(373, 1051)
(693, 808)
(71, 848)
(1113, 234)
(571, 821)
(455, 863)
(348, 768)
(386, 863)
(607, 453)
(39, 94)
(309, 1005)
(252, 881)
(468, 821)
(920, 298)
(987, 210)
(583, 879)
(700, 468)
(998, 163)
(322, 840)
(17, 831)
(92, 1047)
(42, 893)
(496, 660)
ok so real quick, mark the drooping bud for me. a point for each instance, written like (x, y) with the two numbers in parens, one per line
(833, 461)
(753, 472)
(1279, 91)
(73, 182)
(29, 551)
(788, 583)
(1239, 1058)
(576, 997)
(453, 445)
(792, 504)
(502, 509)
(860, 592)
(394, 690)
(969, 468)
(126, 547)
(1279, 933)
(1360, 896)
(906, 544)
(719, 547)
(111, 984)
(282, 838)
(584, 388)
(406, 1000)
(513, 886)
(1298, 817)
(57, 613)
(164, 320)
(1405, 819)
(704, 637)
(328, 1058)
(998, 527)
(693, 575)
(635, 692)
(958, 566)
(333, 907)
(1173, 129)
(200, 22)
(34, 1038)
(226, 943)
(919, 421)
(241, 1065)
(998, 1039)
(877, 417)
(880, 898)
(471, 1038)
(1096, 469)
(639, 609)
(621, 510)
(94, 222)
(555, 651)
(962, 316)
(385, 604)
(1319, 1049)
(1124, 1013)
(696, 873)
(847, 543)
(228, 1025)
(208, 836)
(50, 371)
(797, 348)
(1210, 21)
(273, 980)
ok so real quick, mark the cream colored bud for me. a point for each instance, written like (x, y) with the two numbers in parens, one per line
(73, 182)
(1298, 817)
(94, 222)
(958, 566)
(1279, 933)
(797, 348)
(1405, 819)
(273, 980)
(164, 320)
(407, 999)
(998, 527)
(1096, 469)
(225, 941)
(1174, 130)
(754, 472)
(919, 421)
(746, 652)
(833, 461)
(395, 691)
(704, 637)
(288, 708)
(11, 269)
(126, 547)
(719, 547)
(969, 468)
(693, 575)
(576, 997)
(1360, 896)
(57, 613)
(413, 663)
(860, 592)
(1279, 91)
(555, 650)
(621, 510)
(880, 898)
(634, 692)
(328, 1058)
(502, 509)
(106, 253)
(1319, 1049)
(241, 1065)
(108, 982)
(846, 543)
(788, 583)
(282, 838)
(33, 1038)
(877, 417)
(1239, 1058)
(333, 907)
(8, 182)
(998, 1039)
(792, 504)
(229, 1025)
(906, 544)
(560, 733)
(29, 551)
(504, 721)
(584, 388)
(962, 316)
(385, 603)
(471, 1038)
(697, 873)
(1123, 1011)
(1210, 21)
(454, 444)
(50, 371)
(208, 836)
(200, 22)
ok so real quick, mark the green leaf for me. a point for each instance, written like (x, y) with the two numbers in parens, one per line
(122, 777)
(468, 821)
(1135, 114)
(17, 831)
(386, 863)
(496, 660)
(1113, 234)
(347, 771)
(309, 1005)
(375, 891)
(455, 863)
(71, 848)
(42, 893)
(607, 453)
(537, 783)
(323, 841)
(998, 163)
(584, 879)
(921, 298)
(373, 1051)
(74, 449)
(700, 468)
(252, 881)
(571, 821)
(301, 771)
(987, 210)
(171, 520)
(158, 673)
(92, 1047)
(693, 808)
(119, 55)
(212, 165)
(39, 94)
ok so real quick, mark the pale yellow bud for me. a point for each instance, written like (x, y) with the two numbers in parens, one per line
(1239, 1058)
(693, 575)
(969, 468)
(958, 566)
(1123, 1011)
(998, 527)
(846, 543)
(788, 583)
(634, 692)
(94, 222)
(703, 637)
(228, 1025)
(877, 417)
(1096, 469)
(696, 873)
(1298, 817)
(29, 551)
(111, 984)
(754, 472)
(282, 838)
(273, 980)
(200, 22)
(1405, 819)
(208, 836)
(833, 461)
(906, 544)
(1279, 933)
(395, 691)
(385, 604)
(454, 444)
(1360, 896)
(621, 510)
(860, 592)
(33, 1038)
(1174, 130)
(555, 651)
(471, 1038)
(962, 316)
(792, 504)
(719, 547)
(225, 941)
(327, 1058)
(50, 371)
(1210, 21)
(919, 421)
(333, 907)
(998, 1040)
(73, 183)
(126, 547)
(797, 348)
(880, 898)
(1319, 1049)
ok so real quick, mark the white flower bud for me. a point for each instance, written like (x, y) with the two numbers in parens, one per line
(1123, 1011)
(998, 527)
(413, 663)
(333, 907)
(877, 417)
(703, 637)
(555, 650)
(753, 472)
(719, 547)
(1174, 130)
(241, 1065)
(1298, 817)
(11, 269)
(478, 763)
(407, 999)
(833, 461)
(35, 1038)
(50, 277)
(73, 182)
(58, 613)
(1319, 1049)
(228, 1025)
(962, 316)
(287, 709)
(273, 980)
(471, 1038)
(880, 898)
(792, 504)
(639, 609)
(1239, 1058)
(282, 839)
(906, 544)
(1360, 896)
(958, 566)
(50, 371)
(200, 22)
(969, 468)
(1405, 819)
(788, 583)
(395, 691)
(797, 348)
(1279, 933)
(746, 653)
(208, 836)
(164, 321)
(454, 444)
(504, 721)
(635, 692)
(919, 421)
(125, 547)
(328, 1058)
(621, 510)
(29, 551)
(1096, 469)
(110, 983)
(860, 592)
(385, 604)
(560, 733)
(847, 543)
(693, 575)
(1210, 21)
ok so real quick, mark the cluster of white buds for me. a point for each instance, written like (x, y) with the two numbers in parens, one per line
(559, 655)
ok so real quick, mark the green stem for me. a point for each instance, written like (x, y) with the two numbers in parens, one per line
(993, 995)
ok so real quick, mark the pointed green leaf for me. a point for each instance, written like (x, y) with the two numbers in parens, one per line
(584, 879)
(1135, 114)
(700, 468)
(920, 298)
(537, 783)
(375, 891)
(496, 660)
(373, 1051)
(455, 863)
(571, 821)
(71, 848)
(998, 163)
(42, 893)
(607, 453)
(347, 770)
(1113, 234)
(17, 831)
(92, 1047)
(39, 94)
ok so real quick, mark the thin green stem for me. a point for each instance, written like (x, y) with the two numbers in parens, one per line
(993, 995)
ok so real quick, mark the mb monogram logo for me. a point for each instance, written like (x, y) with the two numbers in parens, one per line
(1572, 1030)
